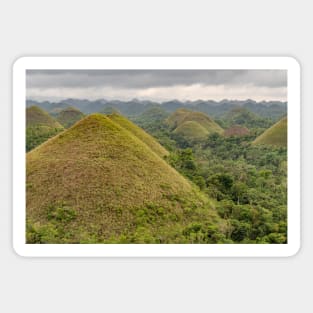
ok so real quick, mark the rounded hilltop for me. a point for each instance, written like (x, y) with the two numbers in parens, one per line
(69, 116)
(192, 125)
(36, 116)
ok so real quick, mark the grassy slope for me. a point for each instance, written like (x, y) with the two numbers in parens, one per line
(69, 116)
(275, 135)
(98, 182)
(182, 115)
(36, 116)
(140, 133)
(176, 118)
(191, 130)
(40, 126)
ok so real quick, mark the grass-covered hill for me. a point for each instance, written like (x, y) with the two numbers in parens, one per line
(192, 125)
(69, 116)
(236, 130)
(191, 130)
(40, 126)
(100, 182)
(275, 135)
(138, 132)
(243, 117)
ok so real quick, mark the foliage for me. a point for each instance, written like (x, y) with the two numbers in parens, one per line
(115, 185)
(40, 126)
(36, 135)
(248, 182)
(101, 181)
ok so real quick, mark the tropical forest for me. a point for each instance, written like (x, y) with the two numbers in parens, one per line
(145, 172)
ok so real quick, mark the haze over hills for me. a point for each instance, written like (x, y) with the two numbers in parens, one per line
(69, 116)
(40, 126)
(275, 135)
(269, 109)
(101, 181)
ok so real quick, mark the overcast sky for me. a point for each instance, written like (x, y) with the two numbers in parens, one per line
(157, 85)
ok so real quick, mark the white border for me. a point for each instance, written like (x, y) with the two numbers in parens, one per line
(156, 250)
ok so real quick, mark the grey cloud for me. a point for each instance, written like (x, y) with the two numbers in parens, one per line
(139, 79)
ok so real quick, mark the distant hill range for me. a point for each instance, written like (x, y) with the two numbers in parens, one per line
(40, 126)
(275, 135)
(104, 181)
(270, 109)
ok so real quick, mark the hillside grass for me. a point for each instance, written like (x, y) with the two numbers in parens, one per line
(275, 135)
(204, 120)
(36, 116)
(191, 130)
(201, 126)
(40, 126)
(69, 116)
(139, 133)
(99, 182)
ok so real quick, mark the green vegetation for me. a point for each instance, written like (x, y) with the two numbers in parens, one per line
(139, 133)
(110, 110)
(246, 182)
(242, 116)
(98, 182)
(106, 180)
(275, 136)
(236, 130)
(40, 126)
(183, 115)
(191, 130)
(69, 116)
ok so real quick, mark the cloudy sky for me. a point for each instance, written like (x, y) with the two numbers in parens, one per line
(157, 85)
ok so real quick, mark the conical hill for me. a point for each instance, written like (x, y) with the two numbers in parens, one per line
(69, 116)
(99, 182)
(36, 116)
(275, 135)
(201, 126)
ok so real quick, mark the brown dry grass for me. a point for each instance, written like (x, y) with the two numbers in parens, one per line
(275, 135)
(105, 174)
